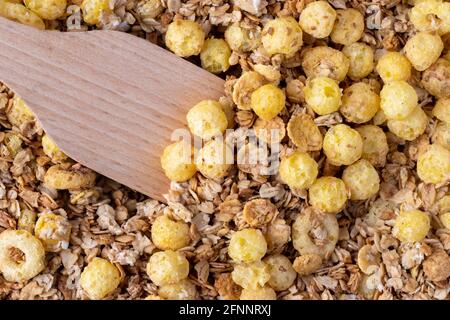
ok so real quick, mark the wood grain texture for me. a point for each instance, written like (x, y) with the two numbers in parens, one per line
(110, 100)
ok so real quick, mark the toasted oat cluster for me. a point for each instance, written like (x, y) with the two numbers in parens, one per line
(352, 97)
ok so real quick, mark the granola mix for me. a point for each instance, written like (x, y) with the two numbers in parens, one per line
(230, 232)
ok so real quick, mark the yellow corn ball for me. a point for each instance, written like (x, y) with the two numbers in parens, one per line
(299, 170)
(99, 278)
(185, 38)
(19, 112)
(252, 275)
(398, 100)
(170, 235)
(51, 149)
(317, 19)
(247, 245)
(362, 180)
(282, 35)
(411, 226)
(282, 274)
(314, 232)
(349, 27)
(431, 16)
(259, 212)
(215, 55)
(442, 109)
(57, 177)
(423, 49)
(342, 145)
(375, 146)
(53, 231)
(207, 119)
(149, 9)
(411, 127)
(394, 66)
(380, 118)
(328, 194)
(264, 293)
(27, 220)
(22, 256)
(47, 9)
(182, 290)
(215, 159)
(93, 10)
(272, 131)
(167, 267)
(323, 95)
(441, 135)
(268, 101)
(244, 87)
(241, 39)
(445, 220)
(325, 62)
(444, 204)
(13, 143)
(436, 79)
(177, 161)
(20, 13)
(361, 58)
(304, 133)
(359, 103)
(433, 166)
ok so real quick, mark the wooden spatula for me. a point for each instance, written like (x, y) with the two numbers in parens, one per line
(108, 99)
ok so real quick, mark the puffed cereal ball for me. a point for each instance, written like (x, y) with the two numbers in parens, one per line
(19, 113)
(436, 79)
(411, 127)
(323, 95)
(299, 170)
(177, 161)
(149, 9)
(349, 27)
(442, 110)
(170, 235)
(423, 49)
(247, 245)
(411, 226)
(359, 103)
(433, 166)
(244, 87)
(215, 55)
(325, 62)
(315, 232)
(268, 101)
(431, 16)
(51, 149)
(264, 293)
(328, 194)
(361, 179)
(22, 256)
(47, 9)
(20, 13)
(57, 177)
(317, 19)
(398, 100)
(282, 35)
(182, 290)
(282, 274)
(445, 220)
(53, 231)
(394, 66)
(207, 119)
(441, 135)
(375, 146)
(185, 38)
(214, 159)
(93, 10)
(99, 278)
(252, 275)
(342, 145)
(167, 267)
(361, 58)
(241, 39)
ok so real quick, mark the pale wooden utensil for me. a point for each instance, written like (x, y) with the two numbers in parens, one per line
(108, 99)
